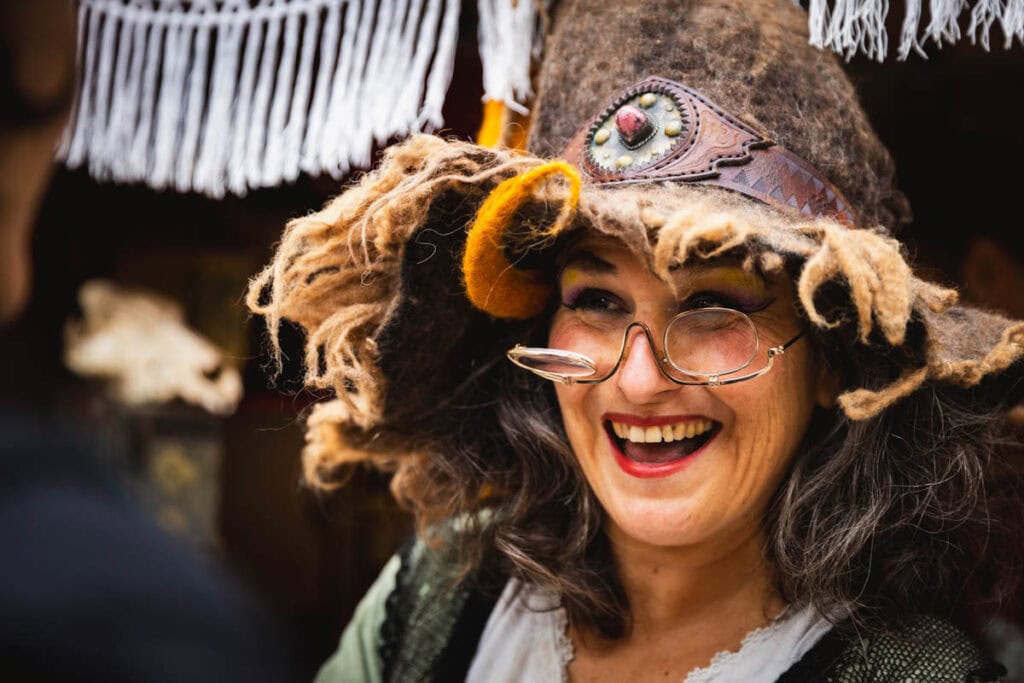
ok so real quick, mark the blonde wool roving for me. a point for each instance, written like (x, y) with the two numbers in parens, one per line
(337, 273)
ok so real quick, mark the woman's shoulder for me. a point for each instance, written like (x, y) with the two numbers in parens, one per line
(922, 648)
(422, 616)
(358, 655)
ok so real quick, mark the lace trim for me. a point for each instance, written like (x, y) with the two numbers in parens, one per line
(563, 643)
(720, 662)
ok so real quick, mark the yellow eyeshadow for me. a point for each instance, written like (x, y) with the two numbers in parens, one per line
(570, 276)
(727, 277)
(738, 276)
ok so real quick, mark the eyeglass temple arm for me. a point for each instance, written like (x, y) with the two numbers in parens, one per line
(772, 353)
(778, 350)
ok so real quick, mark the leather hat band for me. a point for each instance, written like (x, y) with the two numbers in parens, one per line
(659, 130)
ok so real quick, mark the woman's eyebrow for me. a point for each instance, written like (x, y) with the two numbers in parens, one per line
(588, 263)
(735, 274)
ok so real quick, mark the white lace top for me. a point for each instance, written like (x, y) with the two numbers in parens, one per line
(523, 644)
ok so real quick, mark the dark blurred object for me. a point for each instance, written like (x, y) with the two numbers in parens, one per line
(90, 590)
(992, 274)
(37, 69)
(952, 122)
(171, 456)
(311, 558)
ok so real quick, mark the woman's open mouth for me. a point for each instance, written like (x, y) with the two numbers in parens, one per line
(658, 449)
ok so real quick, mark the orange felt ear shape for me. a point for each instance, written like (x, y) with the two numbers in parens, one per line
(494, 285)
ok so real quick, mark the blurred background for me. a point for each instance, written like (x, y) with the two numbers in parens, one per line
(230, 484)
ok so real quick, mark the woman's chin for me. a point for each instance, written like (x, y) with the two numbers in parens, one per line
(657, 522)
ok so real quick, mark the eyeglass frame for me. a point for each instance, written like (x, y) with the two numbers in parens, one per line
(714, 379)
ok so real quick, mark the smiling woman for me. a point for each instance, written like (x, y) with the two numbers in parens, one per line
(696, 504)
(738, 439)
(708, 490)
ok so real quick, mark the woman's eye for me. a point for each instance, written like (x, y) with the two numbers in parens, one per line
(593, 300)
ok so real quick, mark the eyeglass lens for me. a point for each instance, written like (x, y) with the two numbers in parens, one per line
(710, 341)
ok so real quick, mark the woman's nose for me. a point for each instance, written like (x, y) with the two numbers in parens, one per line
(639, 376)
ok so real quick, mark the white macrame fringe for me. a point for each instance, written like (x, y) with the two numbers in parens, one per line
(511, 34)
(850, 26)
(858, 26)
(220, 96)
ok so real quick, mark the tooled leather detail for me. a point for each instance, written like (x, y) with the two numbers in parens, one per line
(711, 148)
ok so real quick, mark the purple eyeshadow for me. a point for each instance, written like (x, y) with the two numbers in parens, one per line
(572, 294)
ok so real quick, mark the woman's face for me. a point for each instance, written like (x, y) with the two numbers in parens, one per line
(709, 486)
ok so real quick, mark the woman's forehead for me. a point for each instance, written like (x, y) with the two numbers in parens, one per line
(600, 255)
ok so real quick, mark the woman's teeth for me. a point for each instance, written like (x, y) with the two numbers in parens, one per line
(662, 433)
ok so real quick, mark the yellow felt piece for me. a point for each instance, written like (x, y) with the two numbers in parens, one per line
(494, 285)
(502, 127)
(489, 134)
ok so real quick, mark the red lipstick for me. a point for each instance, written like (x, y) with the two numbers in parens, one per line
(651, 470)
(653, 421)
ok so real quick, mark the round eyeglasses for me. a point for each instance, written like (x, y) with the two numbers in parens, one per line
(702, 347)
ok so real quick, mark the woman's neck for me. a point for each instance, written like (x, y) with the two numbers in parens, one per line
(667, 587)
(686, 605)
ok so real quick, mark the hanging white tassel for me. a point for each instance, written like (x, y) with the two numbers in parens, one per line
(851, 26)
(140, 151)
(196, 98)
(345, 87)
(984, 14)
(858, 26)
(169, 109)
(127, 86)
(300, 97)
(818, 22)
(256, 134)
(219, 132)
(284, 85)
(430, 117)
(944, 25)
(839, 33)
(374, 80)
(909, 33)
(223, 96)
(422, 47)
(105, 73)
(1013, 22)
(508, 32)
(874, 39)
(73, 143)
(309, 161)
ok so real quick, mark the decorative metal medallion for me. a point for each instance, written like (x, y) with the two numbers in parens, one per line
(658, 130)
(637, 131)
